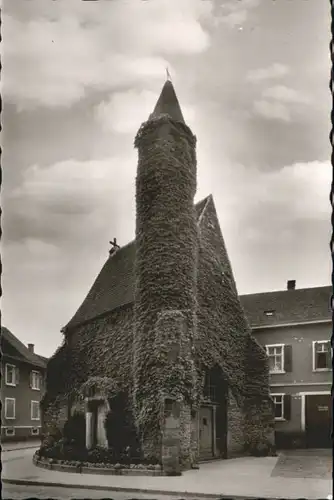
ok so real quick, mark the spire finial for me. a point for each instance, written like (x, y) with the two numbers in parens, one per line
(169, 79)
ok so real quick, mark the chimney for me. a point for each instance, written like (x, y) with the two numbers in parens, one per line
(291, 285)
(31, 347)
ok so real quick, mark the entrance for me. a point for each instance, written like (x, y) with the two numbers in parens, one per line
(318, 420)
(206, 432)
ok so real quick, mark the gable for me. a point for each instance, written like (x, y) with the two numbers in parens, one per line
(114, 286)
(9, 350)
(19, 350)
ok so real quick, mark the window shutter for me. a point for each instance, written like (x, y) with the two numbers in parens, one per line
(287, 406)
(30, 379)
(17, 375)
(288, 358)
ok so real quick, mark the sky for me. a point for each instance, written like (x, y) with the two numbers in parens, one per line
(79, 78)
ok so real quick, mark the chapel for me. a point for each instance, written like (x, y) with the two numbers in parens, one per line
(162, 334)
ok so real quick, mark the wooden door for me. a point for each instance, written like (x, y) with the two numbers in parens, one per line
(318, 420)
(205, 432)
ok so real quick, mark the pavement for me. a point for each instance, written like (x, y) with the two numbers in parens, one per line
(20, 445)
(268, 477)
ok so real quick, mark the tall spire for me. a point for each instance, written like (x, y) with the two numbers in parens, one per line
(168, 103)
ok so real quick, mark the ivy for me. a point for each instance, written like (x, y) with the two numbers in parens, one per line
(186, 317)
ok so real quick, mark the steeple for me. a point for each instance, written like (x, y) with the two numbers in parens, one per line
(168, 103)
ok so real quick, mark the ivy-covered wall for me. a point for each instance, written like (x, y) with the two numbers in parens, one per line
(186, 317)
(165, 270)
(224, 339)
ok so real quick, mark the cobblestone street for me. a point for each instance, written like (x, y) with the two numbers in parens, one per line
(313, 464)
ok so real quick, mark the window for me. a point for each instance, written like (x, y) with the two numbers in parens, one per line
(282, 406)
(10, 431)
(276, 358)
(35, 381)
(322, 357)
(35, 414)
(10, 408)
(35, 431)
(10, 375)
(279, 406)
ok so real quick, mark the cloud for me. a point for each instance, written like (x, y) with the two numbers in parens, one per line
(125, 111)
(276, 70)
(236, 13)
(286, 94)
(296, 192)
(272, 110)
(71, 201)
(57, 57)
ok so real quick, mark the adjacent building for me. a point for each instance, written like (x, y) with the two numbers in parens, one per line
(295, 328)
(162, 328)
(22, 387)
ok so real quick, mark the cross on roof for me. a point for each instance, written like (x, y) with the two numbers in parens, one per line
(114, 246)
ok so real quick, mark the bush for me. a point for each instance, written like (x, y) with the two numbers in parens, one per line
(99, 455)
(120, 429)
(74, 430)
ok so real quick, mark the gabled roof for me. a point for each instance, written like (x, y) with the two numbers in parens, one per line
(288, 306)
(168, 104)
(114, 286)
(22, 350)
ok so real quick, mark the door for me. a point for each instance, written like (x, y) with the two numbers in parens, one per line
(318, 420)
(205, 432)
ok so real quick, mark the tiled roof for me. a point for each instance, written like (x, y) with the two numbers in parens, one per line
(114, 286)
(30, 357)
(288, 306)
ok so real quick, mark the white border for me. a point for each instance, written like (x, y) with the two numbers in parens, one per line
(13, 366)
(276, 345)
(303, 405)
(314, 369)
(13, 434)
(39, 410)
(10, 399)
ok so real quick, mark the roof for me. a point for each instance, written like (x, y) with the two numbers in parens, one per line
(114, 286)
(168, 104)
(32, 358)
(288, 306)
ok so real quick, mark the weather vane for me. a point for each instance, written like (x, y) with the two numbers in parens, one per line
(168, 75)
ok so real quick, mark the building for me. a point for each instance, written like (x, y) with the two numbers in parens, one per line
(22, 387)
(163, 325)
(295, 327)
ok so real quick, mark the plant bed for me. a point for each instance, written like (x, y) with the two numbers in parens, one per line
(96, 468)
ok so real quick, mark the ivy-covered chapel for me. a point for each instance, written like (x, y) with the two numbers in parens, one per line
(161, 338)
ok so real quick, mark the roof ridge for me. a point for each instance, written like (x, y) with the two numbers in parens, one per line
(286, 290)
(207, 200)
(20, 346)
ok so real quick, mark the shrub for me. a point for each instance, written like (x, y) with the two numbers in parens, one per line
(99, 455)
(120, 429)
(74, 430)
